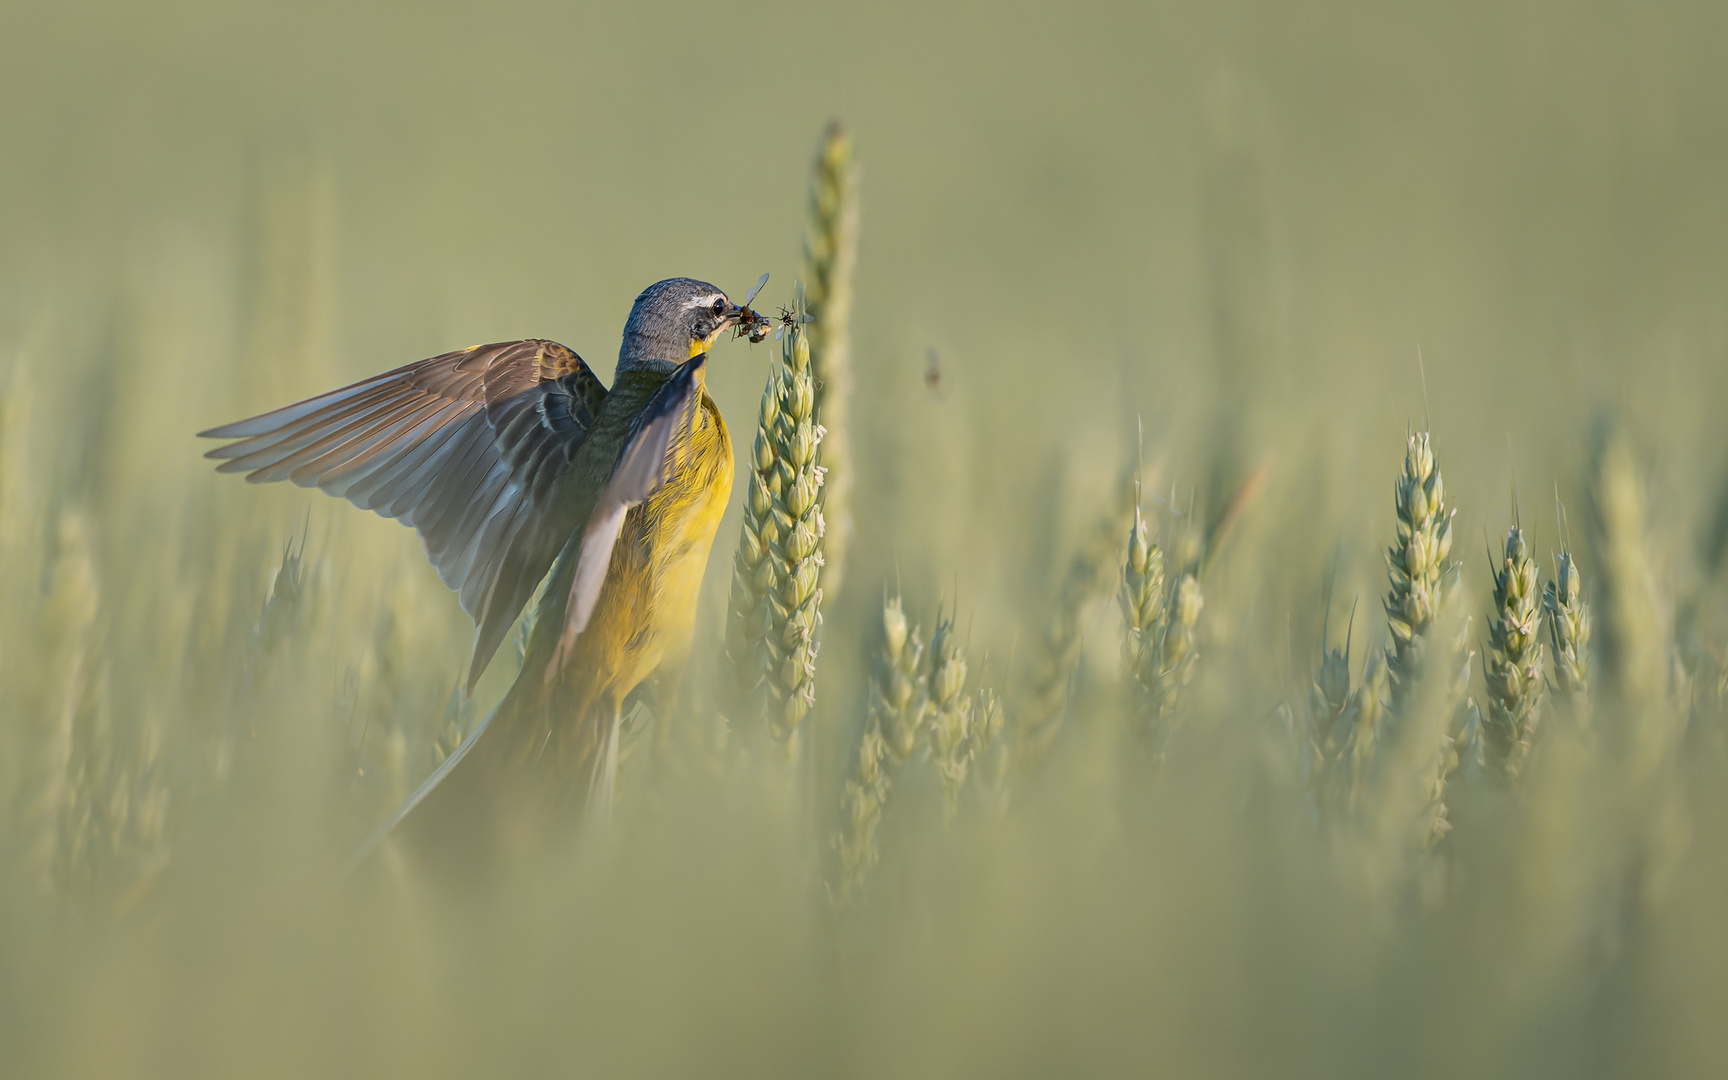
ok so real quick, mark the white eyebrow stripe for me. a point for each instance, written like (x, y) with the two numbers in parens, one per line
(705, 301)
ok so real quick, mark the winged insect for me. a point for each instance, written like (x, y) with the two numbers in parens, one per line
(788, 319)
(753, 324)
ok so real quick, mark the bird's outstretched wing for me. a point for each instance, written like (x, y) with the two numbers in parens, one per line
(467, 448)
(643, 466)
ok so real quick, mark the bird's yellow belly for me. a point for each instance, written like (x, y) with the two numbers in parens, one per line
(647, 609)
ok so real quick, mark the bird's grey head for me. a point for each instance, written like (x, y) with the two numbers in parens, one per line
(673, 321)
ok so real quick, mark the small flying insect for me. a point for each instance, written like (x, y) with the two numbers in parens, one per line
(932, 370)
(753, 324)
(789, 319)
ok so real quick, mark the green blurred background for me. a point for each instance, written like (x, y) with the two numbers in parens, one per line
(1232, 223)
(1091, 212)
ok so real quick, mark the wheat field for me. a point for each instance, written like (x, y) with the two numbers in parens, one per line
(1268, 617)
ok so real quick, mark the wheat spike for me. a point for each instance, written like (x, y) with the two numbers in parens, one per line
(1569, 633)
(897, 717)
(1362, 719)
(1416, 565)
(830, 252)
(1436, 719)
(776, 597)
(1329, 726)
(1637, 622)
(794, 605)
(1089, 574)
(1512, 664)
(1144, 610)
(951, 742)
(1179, 651)
(1162, 621)
(752, 572)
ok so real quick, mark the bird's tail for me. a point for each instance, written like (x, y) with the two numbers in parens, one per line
(515, 745)
(377, 835)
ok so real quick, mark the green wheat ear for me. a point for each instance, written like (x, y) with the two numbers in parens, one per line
(1089, 575)
(1144, 612)
(1416, 565)
(1512, 664)
(963, 726)
(830, 253)
(776, 596)
(104, 799)
(897, 717)
(741, 682)
(917, 696)
(794, 607)
(990, 750)
(1330, 726)
(1162, 622)
(951, 743)
(899, 682)
(1569, 632)
(1180, 651)
(285, 611)
(1429, 702)
(1362, 718)
(1634, 637)
(1637, 624)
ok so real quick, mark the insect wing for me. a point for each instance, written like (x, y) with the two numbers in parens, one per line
(750, 298)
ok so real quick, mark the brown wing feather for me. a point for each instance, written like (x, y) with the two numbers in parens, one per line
(467, 448)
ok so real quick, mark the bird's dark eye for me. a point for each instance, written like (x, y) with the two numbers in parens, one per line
(720, 307)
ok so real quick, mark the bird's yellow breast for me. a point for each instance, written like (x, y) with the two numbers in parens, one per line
(647, 608)
(680, 521)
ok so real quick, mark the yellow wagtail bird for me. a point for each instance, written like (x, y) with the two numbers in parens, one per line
(511, 460)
